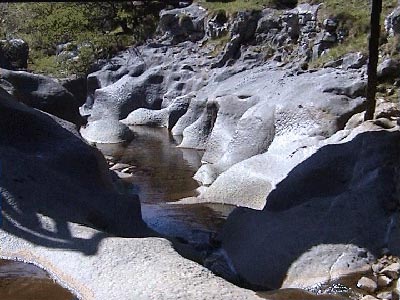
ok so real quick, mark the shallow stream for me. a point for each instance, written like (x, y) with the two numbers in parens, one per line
(162, 173)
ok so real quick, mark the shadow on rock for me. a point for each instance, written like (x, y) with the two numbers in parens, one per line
(327, 219)
(52, 177)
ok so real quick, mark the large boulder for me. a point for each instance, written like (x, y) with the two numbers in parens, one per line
(77, 86)
(233, 120)
(117, 100)
(183, 24)
(107, 131)
(43, 93)
(111, 72)
(389, 69)
(55, 188)
(327, 219)
(14, 54)
(48, 170)
(158, 82)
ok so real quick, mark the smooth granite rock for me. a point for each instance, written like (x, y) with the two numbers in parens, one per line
(43, 93)
(339, 201)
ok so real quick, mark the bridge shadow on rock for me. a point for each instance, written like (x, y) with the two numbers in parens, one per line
(325, 219)
(52, 178)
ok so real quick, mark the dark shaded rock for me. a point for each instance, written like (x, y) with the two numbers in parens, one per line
(183, 24)
(49, 170)
(77, 86)
(354, 60)
(352, 90)
(269, 20)
(291, 25)
(14, 54)
(43, 93)
(325, 220)
(389, 69)
(330, 25)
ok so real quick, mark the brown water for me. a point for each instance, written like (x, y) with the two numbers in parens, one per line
(163, 174)
(23, 281)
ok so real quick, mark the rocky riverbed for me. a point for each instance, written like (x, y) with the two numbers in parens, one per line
(86, 191)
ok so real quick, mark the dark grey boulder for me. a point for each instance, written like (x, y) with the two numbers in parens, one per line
(14, 54)
(49, 170)
(389, 69)
(43, 93)
(77, 86)
(327, 219)
(354, 60)
(269, 20)
(178, 25)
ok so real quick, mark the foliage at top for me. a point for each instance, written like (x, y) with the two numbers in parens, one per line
(353, 17)
(233, 6)
(103, 28)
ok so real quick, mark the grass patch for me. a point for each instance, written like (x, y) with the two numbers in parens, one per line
(357, 44)
(353, 18)
(232, 7)
(43, 64)
(218, 44)
(106, 27)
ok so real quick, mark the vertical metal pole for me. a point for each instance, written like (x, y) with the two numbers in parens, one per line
(373, 48)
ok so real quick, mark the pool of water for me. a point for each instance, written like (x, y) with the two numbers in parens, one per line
(24, 281)
(162, 174)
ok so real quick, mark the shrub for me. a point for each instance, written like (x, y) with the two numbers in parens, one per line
(107, 27)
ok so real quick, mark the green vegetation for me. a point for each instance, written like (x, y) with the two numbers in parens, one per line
(95, 30)
(231, 7)
(105, 28)
(218, 44)
(353, 17)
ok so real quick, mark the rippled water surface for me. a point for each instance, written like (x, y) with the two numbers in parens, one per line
(23, 281)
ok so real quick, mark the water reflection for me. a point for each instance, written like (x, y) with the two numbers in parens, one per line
(24, 281)
(163, 173)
